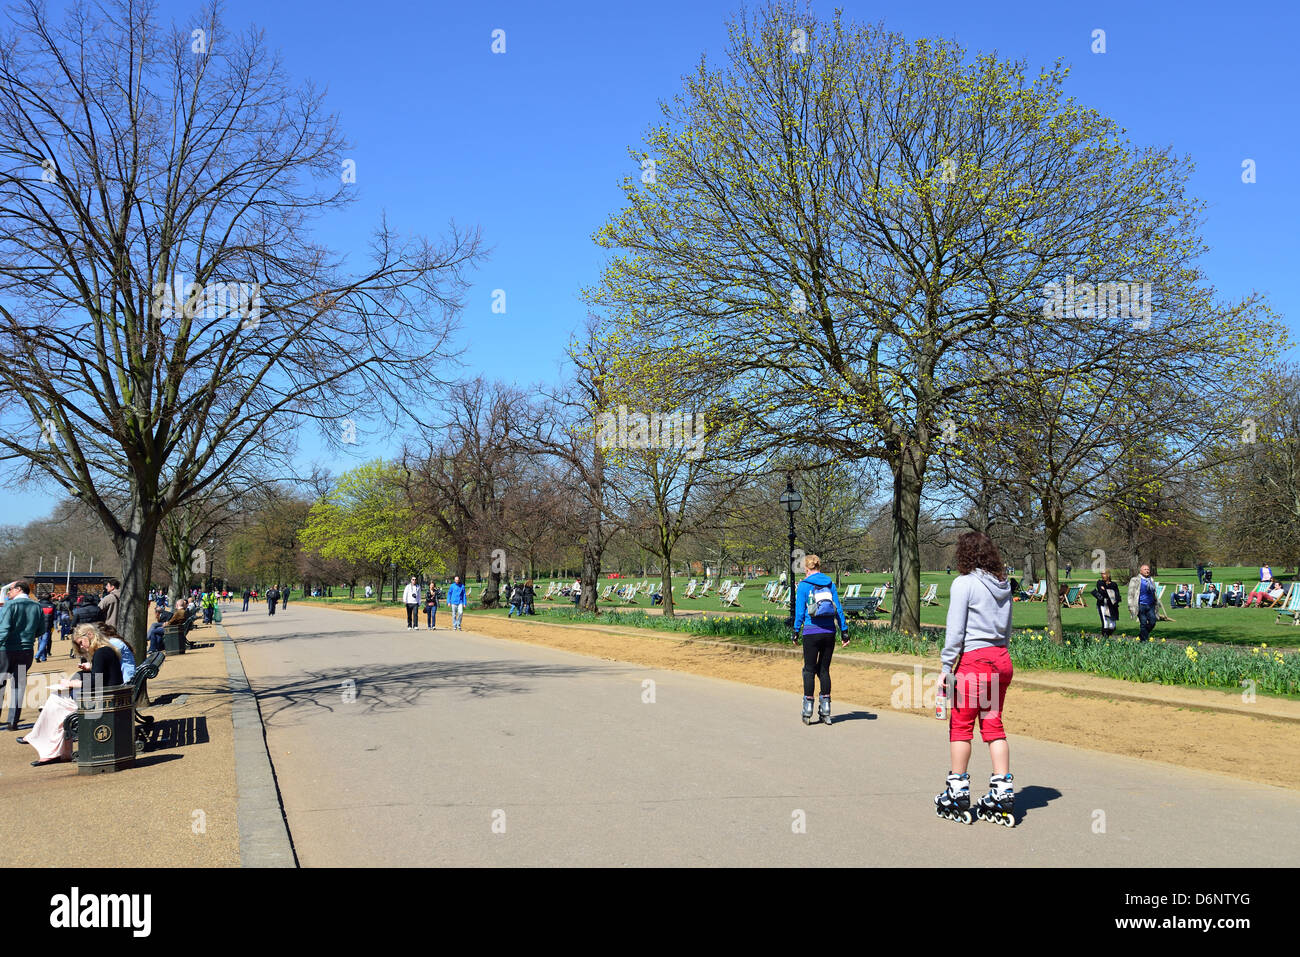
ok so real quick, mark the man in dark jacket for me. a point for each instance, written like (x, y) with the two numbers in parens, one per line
(248, 593)
(21, 621)
(86, 612)
(272, 597)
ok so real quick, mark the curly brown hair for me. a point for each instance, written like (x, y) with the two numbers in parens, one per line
(976, 550)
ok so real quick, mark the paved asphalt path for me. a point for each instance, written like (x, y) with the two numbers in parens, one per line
(395, 747)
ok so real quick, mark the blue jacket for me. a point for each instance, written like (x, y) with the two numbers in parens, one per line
(128, 658)
(820, 625)
(455, 594)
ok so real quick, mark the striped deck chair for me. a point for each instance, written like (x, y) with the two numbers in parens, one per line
(604, 596)
(1290, 606)
(931, 596)
(1039, 592)
(881, 594)
(732, 598)
(1162, 614)
(1074, 597)
(690, 589)
(708, 584)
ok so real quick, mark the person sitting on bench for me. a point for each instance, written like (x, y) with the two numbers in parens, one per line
(156, 630)
(101, 668)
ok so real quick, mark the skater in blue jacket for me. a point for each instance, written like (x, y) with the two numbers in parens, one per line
(817, 611)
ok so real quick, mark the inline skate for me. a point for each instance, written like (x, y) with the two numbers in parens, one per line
(954, 803)
(807, 710)
(824, 709)
(999, 805)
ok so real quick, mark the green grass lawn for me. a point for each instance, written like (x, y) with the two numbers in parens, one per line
(1236, 626)
(1180, 659)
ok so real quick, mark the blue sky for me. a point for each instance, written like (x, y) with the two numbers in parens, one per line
(530, 145)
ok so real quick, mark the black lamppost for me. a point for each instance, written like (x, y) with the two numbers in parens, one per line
(791, 500)
(212, 557)
(394, 581)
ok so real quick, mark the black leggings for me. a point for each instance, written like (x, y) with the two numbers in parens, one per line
(817, 651)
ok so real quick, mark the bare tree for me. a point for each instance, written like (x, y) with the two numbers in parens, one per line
(564, 427)
(163, 307)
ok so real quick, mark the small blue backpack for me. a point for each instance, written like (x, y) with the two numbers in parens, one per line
(822, 601)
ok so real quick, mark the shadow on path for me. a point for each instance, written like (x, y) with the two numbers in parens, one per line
(176, 733)
(387, 688)
(853, 716)
(1031, 798)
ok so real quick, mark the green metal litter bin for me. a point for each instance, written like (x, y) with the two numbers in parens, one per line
(173, 643)
(105, 726)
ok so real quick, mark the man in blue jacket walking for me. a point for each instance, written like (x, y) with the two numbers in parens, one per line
(817, 611)
(456, 599)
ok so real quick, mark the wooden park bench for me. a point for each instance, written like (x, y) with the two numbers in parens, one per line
(118, 715)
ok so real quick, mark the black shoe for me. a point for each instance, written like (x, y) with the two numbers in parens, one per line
(37, 764)
(22, 740)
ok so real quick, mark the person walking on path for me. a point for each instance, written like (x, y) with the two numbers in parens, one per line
(431, 606)
(21, 621)
(110, 601)
(1142, 602)
(816, 626)
(411, 598)
(456, 599)
(1106, 594)
(272, 596)
(976, 674)
(50, 611)
(284, 597)
(248, 593)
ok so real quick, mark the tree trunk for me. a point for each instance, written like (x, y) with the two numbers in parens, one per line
(179, 575)
(1130, 540)
(667, 592)
(135, 551)
(909, 471)
(591, 555)
(1052, 559)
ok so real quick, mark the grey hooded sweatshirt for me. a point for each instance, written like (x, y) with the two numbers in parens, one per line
(979, 616)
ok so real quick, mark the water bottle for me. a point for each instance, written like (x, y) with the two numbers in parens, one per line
(941, 703)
